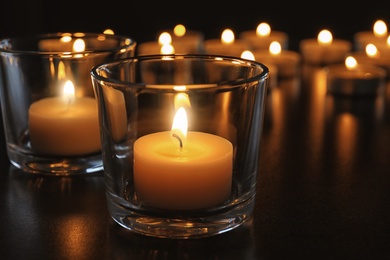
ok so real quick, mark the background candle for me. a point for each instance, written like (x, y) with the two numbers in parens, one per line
(355, 79)
(378, 36)
(59, 126)
(199, 176)
(226, 45)
(262, 37)
(324, 50)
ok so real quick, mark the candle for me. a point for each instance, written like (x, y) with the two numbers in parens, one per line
(373, 56)
(177, 170)
(378, 36)
(228, 45)
(355, 79)
(185, 41)
(262, 37)
(287, 62)
(324, 50)
(64, 126)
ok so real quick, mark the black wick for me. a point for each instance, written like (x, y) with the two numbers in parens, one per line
(178, 138)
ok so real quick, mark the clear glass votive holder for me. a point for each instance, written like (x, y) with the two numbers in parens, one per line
(48, 104)
(180, 141)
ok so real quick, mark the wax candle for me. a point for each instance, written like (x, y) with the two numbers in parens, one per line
(324, 50)
(227, 45)
(355, 79)
(287, 62)
(377, 36)
(262, 37)
(372, 56)
(188, 171)
(67, 126)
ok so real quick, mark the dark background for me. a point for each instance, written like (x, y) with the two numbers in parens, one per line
(142, 20)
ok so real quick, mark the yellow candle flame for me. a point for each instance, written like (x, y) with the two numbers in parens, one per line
(179, 30)
(69, 92)
(165, 38)
(325, 37)
(227, 36)
(380, 28)
(247, 54)
(263, 30)
(372, 50)
(180, 127)
(350, 63)
(275, 48)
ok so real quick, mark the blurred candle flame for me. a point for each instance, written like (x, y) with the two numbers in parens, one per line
(227, 36)
(325, 37)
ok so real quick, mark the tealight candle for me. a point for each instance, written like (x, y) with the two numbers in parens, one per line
(378, 36)
(372, 56)
(355, 79)
(65, 126)
(185, 41)
(227, 45)
(324, 50)
(177, 170)
(262, 37)
(287, 62)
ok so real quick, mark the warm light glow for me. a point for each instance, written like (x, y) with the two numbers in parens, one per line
(380, 28)
(108, 31)
(179, 30)
(66, 38)
(227, 36)
(247, 55)
(79, 45)
(263, 30)
(350, 62)
(165, 38)
(372, 50)
(180, 127)
(167, 49)
(179, 88)
(325, 37)
(69, 92)
(182, 100)
(275, 48)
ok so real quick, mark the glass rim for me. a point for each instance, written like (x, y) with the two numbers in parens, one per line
(249, 63)
(128, 42)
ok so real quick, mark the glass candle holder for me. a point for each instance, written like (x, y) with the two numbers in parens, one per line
(180, 141)
(48, 104)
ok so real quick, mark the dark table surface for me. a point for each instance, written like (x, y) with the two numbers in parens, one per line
(323, 192)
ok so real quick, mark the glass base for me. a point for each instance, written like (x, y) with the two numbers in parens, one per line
(55, 166)
(181, 225)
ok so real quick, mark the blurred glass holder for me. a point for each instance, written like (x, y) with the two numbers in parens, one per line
(48, 104)
(161, 180)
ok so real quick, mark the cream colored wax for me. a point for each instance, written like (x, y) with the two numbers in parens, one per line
(60, 128)
(197, 176)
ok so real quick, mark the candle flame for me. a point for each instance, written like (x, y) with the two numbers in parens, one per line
(167, 49)
(179, 30)
(325, 37)
(79, 45)
(69, 92)
(372, 50)
(247, 55)
(380, 28)
(263, 30)
(350, 63)
(165, 38)
(180, 127)
(227, 36)
(275, 48)
(108, 31)
(182, 100)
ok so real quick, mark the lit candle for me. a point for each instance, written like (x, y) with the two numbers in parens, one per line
(324, 50)
(373, 56)
(182, 171)
(227, 45)
(262, 37)
(287, 62)
(64, 126)
(185, 41)
(378, 36)
(355, 79)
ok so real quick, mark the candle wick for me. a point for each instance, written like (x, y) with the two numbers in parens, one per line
(179, 139)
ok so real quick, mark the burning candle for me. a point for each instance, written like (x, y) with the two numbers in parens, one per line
(177, 170)
(324, 50)
(355, 79)
(64, 126)
(287, 62)
(228, 45)
(262, 37)
(378, 36)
